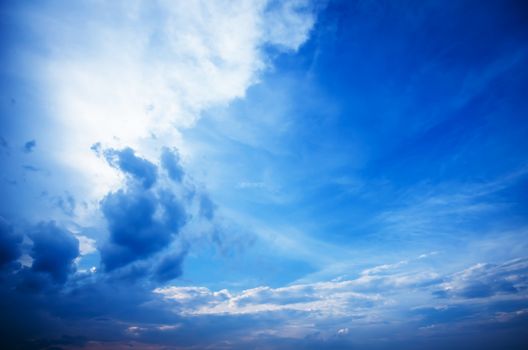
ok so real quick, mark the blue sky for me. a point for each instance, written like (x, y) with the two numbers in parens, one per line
(264, 174)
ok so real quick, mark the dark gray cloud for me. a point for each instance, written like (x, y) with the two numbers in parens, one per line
(136, 231)
(53, 251)
(9, 243)
(142, 220)
(173, 214)
(169, 267)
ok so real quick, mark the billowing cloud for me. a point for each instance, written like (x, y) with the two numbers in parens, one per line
(141, 220)
(9, 243)
(134, 231)
(53, 251)
(169, 267)
(139, 168)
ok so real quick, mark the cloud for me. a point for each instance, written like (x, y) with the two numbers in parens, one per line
(488, 281)
(128, 73)
(169, 267)
(139, 168)
(144, 216)
(31, 168)
(428, 210)
(373, 297)
(9, 243)
(207, 207)
(86, 244)
(138, 80)
(66, 203)
(285, 15)
(135, 231)
(323, 298)
(128, 79)
(112, 312)
(53, 251)
(30, 146)
(170, 160)
(384, 267)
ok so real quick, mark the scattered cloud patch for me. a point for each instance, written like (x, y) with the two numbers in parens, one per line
(66, 204)
(31, 168)
(29, 146)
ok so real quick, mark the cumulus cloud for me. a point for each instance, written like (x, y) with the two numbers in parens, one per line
(135, 232)
(53, 251)
(169, 267)
(145, 216)
(40, 255)
(9, 243)
(137, 167)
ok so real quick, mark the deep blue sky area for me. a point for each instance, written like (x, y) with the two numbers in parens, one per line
(264, 174)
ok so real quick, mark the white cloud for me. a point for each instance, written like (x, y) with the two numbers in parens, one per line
(382, 268)
(368, 299)
(343, 331)
(86, 244)
(324, 298)
(488, 281)
(136, 74)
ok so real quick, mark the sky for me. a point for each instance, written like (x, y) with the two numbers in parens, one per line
(263, 174)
